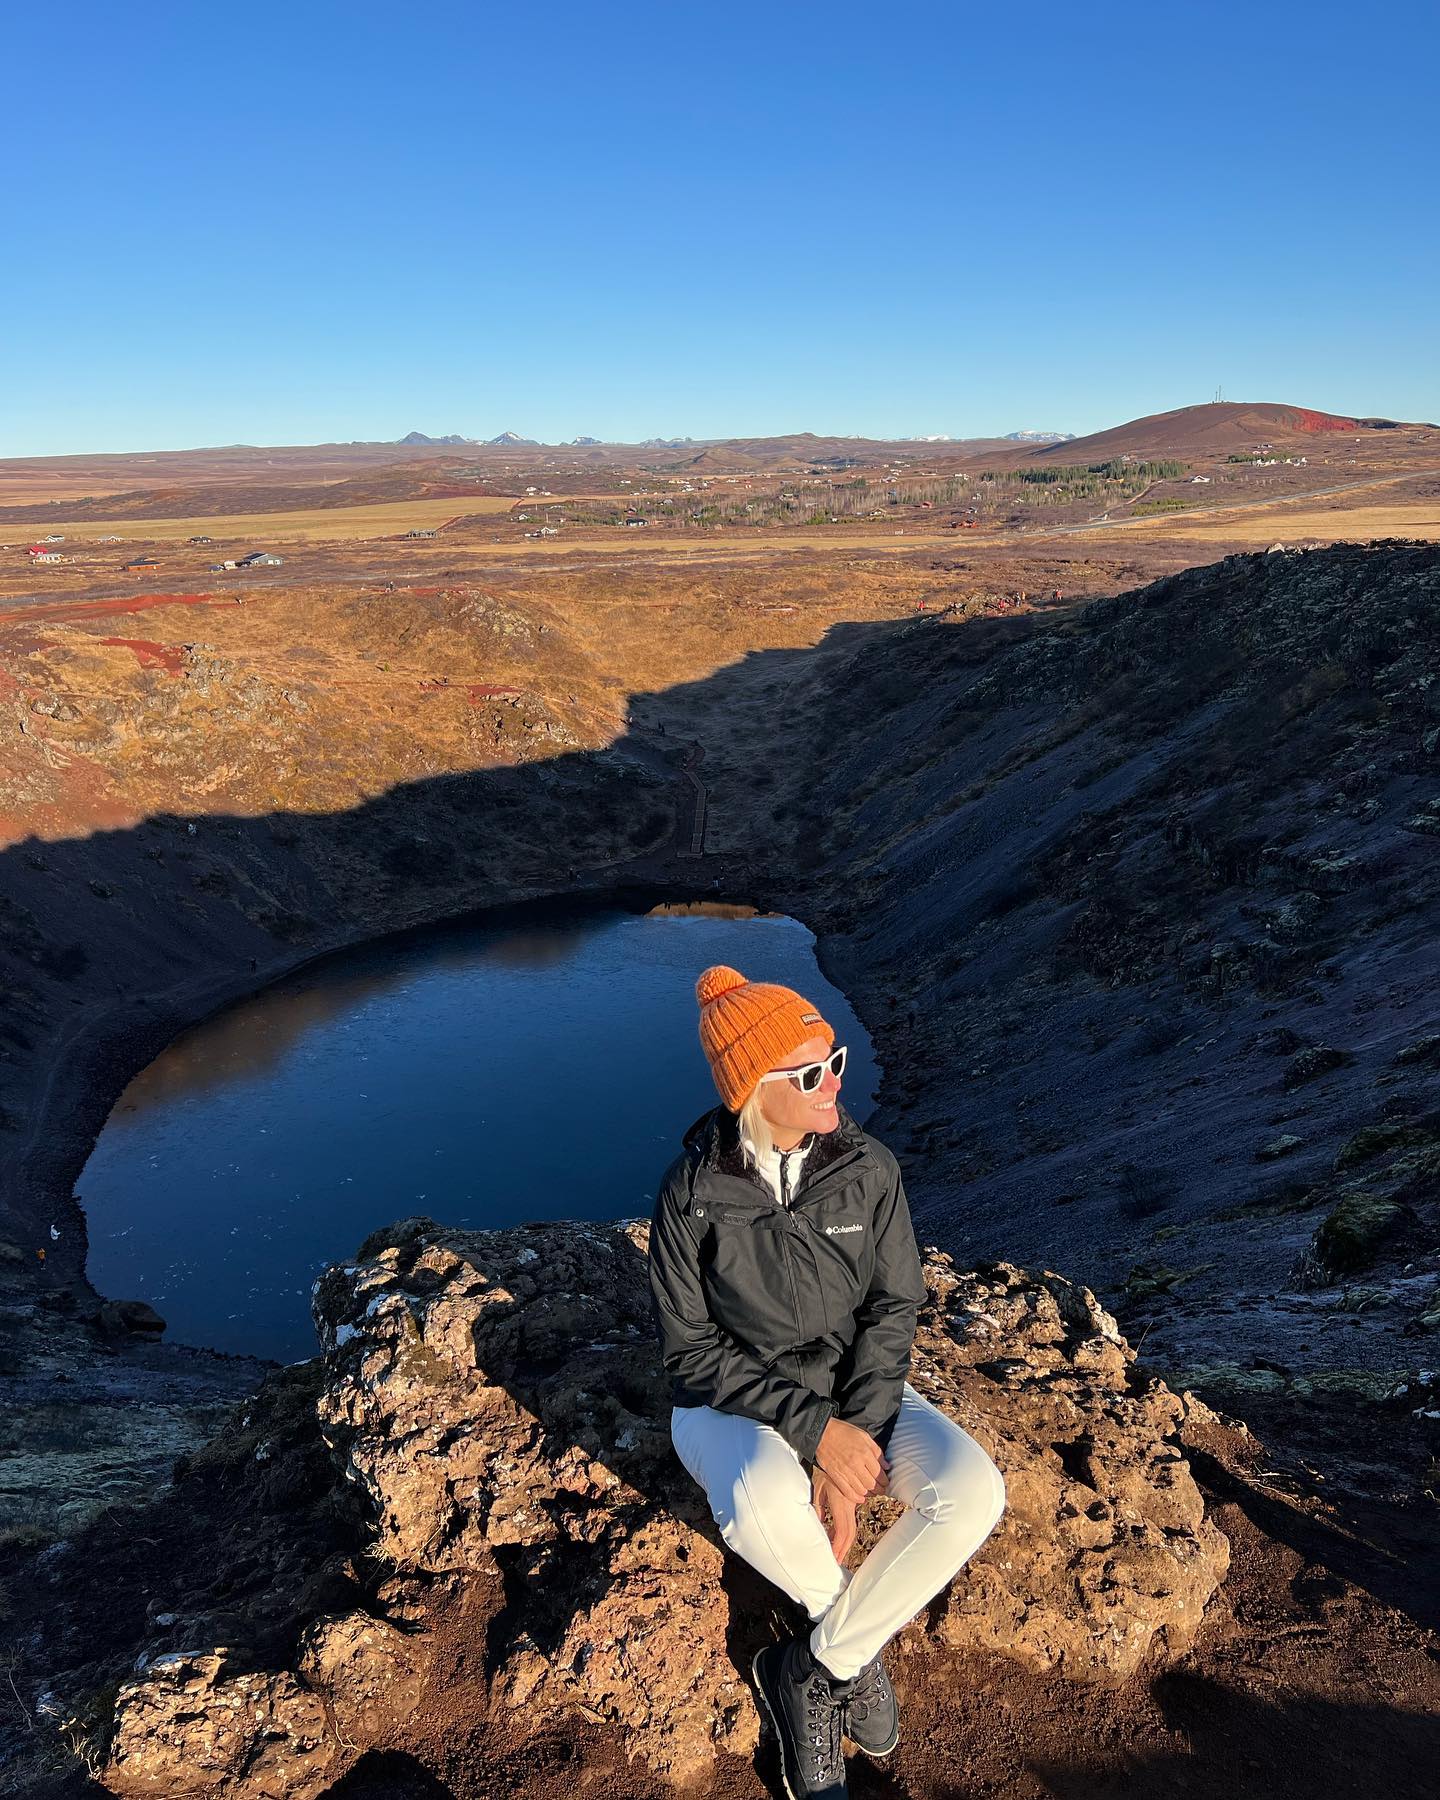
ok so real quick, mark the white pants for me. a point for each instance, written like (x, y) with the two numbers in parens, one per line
(759, 1494)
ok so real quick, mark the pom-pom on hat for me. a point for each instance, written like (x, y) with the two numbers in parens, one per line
(748, 1028)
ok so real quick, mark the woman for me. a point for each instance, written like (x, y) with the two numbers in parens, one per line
(786, 1286)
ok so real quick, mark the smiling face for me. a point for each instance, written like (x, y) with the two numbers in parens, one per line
(790, 1113)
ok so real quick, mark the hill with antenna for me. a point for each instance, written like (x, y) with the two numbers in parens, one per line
(1218, 428)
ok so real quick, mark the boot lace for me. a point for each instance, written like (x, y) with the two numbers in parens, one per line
(822, 1729)
(872, 1688)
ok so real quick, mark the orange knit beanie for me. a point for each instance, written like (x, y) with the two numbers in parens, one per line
(748, 1027)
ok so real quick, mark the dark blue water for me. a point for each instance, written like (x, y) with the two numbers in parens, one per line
(485, 1076)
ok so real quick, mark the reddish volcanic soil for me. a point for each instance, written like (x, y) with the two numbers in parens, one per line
(151, 655)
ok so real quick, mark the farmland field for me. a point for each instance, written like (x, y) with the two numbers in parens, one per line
(1243, 529)
(25, 489)
(341, 524)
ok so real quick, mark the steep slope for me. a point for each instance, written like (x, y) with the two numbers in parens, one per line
(1148, 903)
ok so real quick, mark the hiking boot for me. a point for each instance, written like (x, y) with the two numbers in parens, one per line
(802, 1702)
(870, 1714)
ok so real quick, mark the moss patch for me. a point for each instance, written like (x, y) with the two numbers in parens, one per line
(1146, 1280)
(1371, 1140)
(1350, 1237)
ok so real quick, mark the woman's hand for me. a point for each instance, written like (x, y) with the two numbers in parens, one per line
(853, 1460)
(835, 1513)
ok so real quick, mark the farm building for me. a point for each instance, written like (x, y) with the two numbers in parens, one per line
(141, 562)
(201, 540)
(41, 555)
(260, 559)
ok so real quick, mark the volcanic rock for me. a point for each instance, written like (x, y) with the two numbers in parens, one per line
(1319, 1059)
(495, 1399)
(130, 1315)
(1349, 1238)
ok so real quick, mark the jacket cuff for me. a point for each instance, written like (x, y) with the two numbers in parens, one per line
(810, 1428)
(882, 1436)
(877, 1414)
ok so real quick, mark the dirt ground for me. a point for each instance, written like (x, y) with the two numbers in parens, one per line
(1317, 1670)
(1301, 1683)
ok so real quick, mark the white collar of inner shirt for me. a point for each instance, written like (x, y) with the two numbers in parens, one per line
(771, 1164)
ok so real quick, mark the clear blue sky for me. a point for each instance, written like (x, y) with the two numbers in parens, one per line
(310, 222)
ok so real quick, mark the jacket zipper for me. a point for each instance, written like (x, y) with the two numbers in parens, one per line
(789, 1265)
(805, 1219)
(794, 1299)
(812, 1232)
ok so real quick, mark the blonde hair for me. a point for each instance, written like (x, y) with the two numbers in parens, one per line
(755, 1127)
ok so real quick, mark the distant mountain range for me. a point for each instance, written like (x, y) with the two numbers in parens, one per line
(506, 440)
(1211, 429)
(513, 441)
(217, 480)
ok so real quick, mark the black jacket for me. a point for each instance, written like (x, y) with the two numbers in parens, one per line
(793, 1315)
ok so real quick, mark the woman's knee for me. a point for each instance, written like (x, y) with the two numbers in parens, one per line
(964, 1490)
(731, 1509)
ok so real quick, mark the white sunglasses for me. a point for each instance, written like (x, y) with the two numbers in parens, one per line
(809, 1075)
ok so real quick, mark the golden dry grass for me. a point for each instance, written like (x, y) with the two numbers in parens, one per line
(662, 546)
(39, 490)
(321, 525)
(1285, 523)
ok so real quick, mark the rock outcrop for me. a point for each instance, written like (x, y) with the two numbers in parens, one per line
(493, 1399)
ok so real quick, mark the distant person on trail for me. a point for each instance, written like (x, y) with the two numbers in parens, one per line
(786, 1286)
